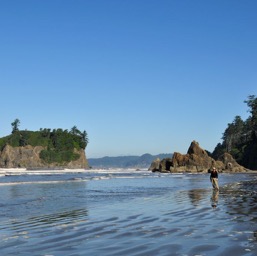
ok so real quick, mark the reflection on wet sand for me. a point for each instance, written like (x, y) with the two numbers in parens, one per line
(241, 199)
(214, 198)
(67, 216)
(73, 217)
(240, 202)
(196, 195)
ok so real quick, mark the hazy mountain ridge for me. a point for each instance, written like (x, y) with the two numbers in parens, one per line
(143, 161)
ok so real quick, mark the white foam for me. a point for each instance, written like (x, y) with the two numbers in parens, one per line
(40, 182)
(24, 171)
(117, 170)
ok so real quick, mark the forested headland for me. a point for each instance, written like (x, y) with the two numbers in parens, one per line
(240, 138)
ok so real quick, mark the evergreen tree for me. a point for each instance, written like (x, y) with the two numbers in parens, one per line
(15, 124)
(74, 130)
(233, 134)
(240, 138)
(252, 104)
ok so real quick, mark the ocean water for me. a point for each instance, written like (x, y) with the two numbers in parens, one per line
(127, 212)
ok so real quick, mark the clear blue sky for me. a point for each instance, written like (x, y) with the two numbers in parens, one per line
(140, 76)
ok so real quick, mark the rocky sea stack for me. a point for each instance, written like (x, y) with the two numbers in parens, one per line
(196, 160)
(46, 148)
(29, 157)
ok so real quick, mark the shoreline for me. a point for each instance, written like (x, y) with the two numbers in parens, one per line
(49, 171)
(22, 171)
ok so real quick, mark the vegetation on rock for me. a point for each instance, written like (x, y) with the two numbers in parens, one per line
(240, 138)
(59, 145)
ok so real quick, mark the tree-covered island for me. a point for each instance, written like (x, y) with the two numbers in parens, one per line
(55, 147)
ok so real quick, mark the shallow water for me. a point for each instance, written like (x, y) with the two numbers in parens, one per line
(127, 212)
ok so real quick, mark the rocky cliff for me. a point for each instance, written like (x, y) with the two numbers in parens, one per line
(28, 157)
(196, 160)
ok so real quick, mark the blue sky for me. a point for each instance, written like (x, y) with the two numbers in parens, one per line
(140, 76)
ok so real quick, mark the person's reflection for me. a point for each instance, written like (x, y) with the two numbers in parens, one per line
(255, 234)
(214, 198)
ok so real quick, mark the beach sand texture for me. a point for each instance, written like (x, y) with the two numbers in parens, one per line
(127, 213)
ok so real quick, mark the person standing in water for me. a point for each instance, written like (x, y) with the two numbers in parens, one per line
(214, 178)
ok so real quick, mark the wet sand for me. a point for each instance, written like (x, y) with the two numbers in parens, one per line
(138, 214)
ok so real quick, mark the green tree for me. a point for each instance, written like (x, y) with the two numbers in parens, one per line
(74, 130)
(15, 124)
(85, 138)
(240, 137)
(218, 151)
(24, 137)
(252, 104)
(233, 134)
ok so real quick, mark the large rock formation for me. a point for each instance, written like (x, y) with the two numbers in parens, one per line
(196, 160)
(28, 157)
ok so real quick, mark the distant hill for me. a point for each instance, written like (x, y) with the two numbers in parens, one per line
(143, 161)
